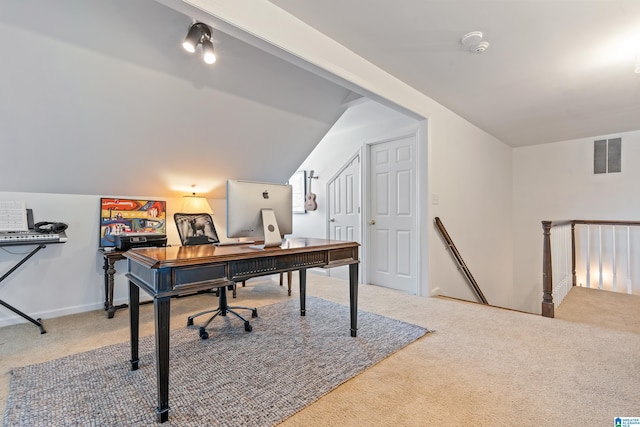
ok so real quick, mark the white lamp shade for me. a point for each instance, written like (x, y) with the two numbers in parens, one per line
(195, 204)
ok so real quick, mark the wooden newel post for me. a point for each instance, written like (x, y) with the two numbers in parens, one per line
(547, 280)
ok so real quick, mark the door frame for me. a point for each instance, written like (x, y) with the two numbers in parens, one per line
(365, 169)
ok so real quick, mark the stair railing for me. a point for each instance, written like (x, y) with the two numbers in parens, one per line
(559, 246)
(461, 264)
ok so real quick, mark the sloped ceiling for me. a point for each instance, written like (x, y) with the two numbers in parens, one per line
(555, 70)
(99, 98)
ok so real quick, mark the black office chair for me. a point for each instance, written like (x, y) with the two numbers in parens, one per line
(198, 229)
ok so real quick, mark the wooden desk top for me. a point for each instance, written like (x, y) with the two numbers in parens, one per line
(111, 254)
(176, 256)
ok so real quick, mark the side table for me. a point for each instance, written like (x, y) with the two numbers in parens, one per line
(110, 258)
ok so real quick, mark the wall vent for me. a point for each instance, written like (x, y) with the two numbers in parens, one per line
(607, 155)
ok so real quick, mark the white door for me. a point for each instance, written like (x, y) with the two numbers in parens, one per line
(391, 221)
(344, 208)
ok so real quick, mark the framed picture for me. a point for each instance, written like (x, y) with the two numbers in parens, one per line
(122, 216)
(298, 184)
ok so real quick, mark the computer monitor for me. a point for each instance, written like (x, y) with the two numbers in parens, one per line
(259, 210)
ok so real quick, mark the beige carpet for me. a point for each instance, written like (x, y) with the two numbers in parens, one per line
(483, 366)
(617, 311)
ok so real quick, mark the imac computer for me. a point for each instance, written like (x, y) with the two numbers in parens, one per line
(259, 210)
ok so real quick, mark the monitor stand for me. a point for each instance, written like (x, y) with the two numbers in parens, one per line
(272, 236)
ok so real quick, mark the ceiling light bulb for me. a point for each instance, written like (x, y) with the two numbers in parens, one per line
(209, 56)
(188, 47)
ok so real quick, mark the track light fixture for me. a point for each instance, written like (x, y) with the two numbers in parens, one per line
(200, 34)
(207, 52)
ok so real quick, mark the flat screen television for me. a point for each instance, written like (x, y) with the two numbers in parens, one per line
(259, 210)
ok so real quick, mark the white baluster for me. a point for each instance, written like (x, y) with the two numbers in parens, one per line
(599, 257)
(588, 256)
(615, 284)
(629, 287)
(567, 248)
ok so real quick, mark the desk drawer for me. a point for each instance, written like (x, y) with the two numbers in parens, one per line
(269, 265)
(186, 276)
(342, 257)
(252, 268)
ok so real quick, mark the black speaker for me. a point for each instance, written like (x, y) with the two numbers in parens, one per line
(50, 227)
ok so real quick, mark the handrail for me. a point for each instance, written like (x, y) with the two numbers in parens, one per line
(460, 261)
(547, 279)
(603, 222)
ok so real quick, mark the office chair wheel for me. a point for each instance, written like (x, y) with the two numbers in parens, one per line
(189, 322)
(254, 313)
(204, 334)
(247, 326)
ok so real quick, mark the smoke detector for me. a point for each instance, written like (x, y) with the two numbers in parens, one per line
(471, 39)
(473, 42)
(480, 47)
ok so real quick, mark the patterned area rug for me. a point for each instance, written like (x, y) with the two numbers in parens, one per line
(234, 378)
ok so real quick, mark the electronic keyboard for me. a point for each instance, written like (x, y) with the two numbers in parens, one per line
(30, 237)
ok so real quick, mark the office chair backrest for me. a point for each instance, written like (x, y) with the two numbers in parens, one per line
(195, 228)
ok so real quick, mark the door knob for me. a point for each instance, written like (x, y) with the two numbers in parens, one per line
(372, 222)
(332, 220)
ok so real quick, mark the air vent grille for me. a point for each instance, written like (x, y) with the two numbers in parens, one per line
(607, 155)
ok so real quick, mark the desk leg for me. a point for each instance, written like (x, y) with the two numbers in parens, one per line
(161, 307)
(134, 322)
(353, 297)
(303, 290)
(105, 267)
(110, 271)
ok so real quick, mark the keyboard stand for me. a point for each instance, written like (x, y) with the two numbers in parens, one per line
(37, 322)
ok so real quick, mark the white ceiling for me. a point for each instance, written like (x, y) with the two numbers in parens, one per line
(99, 98)
(555, 69)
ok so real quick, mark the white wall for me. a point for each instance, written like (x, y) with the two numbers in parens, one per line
(341, 143)
(556, 182)
(470, 191)
(68, 278)
(470, 175)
